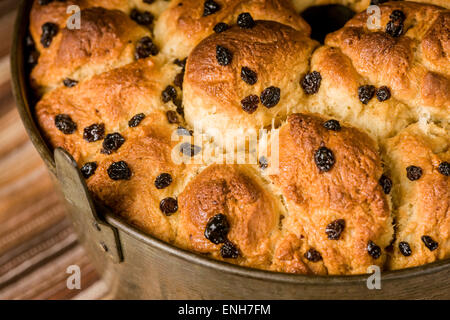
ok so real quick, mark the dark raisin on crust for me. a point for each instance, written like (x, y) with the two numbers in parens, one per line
(119, 171)
(32, 53)
(45, 2)
(270, 96)
(168, 206)
(397, 16)
(366, 93)
(429, 243)
(332, 125)
(245, 21)
(210, 7)
(136, 120)
(168, 94)
(148, 1)
(313, 255)
(250, 103)
(229, 250)
(221, 27)
(88, 169)
(65, 124)
(386, 183)
(263, 162)
(69, 83)
(404, 248)
(143, 18)
(180, 63)
(145, 48)
(189, 150)
(112, 142)
(394, 29)
(383, 93)
(217, 229)
(311, 82)
(49, 30)
(373, 250)
(172, 116)
(94, 132)
(335, 229)
(413, 173)
(178, 81)
(249, 76)
(223, 55)
(324, 159)
(376, 2)
(444, 168)
(163, 180)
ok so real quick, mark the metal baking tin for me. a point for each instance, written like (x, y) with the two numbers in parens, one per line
(138, 266)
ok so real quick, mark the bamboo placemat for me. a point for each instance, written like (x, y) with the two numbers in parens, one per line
(37, 243)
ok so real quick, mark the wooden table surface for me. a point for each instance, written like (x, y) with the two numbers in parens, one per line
(37, 243)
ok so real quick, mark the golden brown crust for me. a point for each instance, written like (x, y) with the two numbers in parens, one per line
(349, 191)
(183, 26)
(402, 63)
(277, 220)
(423, 205)
(213, 93)
(250, 210)
(106, 40)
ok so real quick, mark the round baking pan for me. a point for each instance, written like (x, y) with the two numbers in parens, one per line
(138, 266)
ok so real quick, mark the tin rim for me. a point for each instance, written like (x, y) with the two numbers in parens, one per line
(21, 92)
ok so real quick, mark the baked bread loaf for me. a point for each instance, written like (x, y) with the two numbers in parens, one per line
(352, 158)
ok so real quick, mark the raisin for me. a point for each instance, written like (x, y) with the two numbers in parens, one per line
(163, 181)
(332, 125)
(168, 94)
(168, 206)
(366, 93)
(145, 48)
(178, 81)
(189, 150)
(223, 55)
(250, 104)
(179, 109)
(334, 229)
(119, 171)
(65, 124)
(245, 21)
(94, 132)
(376, 2)
(397, 15)
(210, 7)
(229, 250)
(217, 229)
(444, 168)
(180, 63)
(136, 120)
(172, 116)
(404, 248)
(311, 82)
(413, 173)
(394, 29)
(45, 2)
(88, 169)
(383, 93)
(429, 243)
(249, 76)
(49, 30)
(221, 27)
(143, 18)
(33, 58)
(263, 162)
(270, 96)
(69, 83)
(373, 250)
(148, 1)
(385, 183)
(324, 159)
(112, 142)
(313, 255)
